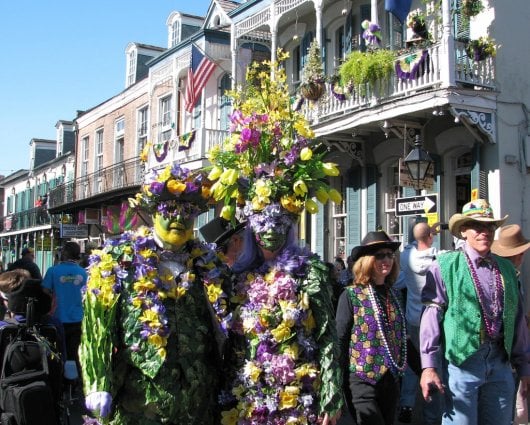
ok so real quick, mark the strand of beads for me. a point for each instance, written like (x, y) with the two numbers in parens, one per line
(377, 313)
(492, 323)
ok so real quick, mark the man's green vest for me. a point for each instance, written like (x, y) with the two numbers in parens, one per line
(463, 324)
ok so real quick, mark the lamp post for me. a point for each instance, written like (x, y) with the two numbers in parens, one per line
(418, 162)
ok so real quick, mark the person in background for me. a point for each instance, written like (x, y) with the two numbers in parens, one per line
(512, 245)
(414, 262)
(473, 310)
(65, 281)
(226, 236)
(372, 331)
(27, 262)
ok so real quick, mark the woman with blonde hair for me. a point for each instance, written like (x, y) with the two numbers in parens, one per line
(372, 332)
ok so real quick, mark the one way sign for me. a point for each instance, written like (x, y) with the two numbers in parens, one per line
(417, 205)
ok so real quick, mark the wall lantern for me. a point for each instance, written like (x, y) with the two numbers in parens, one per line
(418, 162)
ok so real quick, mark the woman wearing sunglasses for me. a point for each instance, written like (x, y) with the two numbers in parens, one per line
(372, 332)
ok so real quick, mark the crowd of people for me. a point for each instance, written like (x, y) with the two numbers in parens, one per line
(245, 326)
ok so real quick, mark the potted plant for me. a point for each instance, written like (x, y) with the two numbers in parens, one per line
(417, 23)
(312, 86)
(481, 48)
(471, 7)
(367, 67)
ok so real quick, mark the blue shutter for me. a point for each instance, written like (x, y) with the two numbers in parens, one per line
(436, 189)
(371, 198)
(306, 42)
(353, 209)
(224, 103)
(407, 223)
(319, 247)
(204, 218)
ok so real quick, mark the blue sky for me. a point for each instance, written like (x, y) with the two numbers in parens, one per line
(61, 56)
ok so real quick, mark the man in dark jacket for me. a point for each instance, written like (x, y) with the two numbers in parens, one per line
(27, 262)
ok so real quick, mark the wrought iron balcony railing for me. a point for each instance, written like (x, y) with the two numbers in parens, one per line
(126, 174)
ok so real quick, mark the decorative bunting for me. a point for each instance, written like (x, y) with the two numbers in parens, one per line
(185, 141)
(413, 65)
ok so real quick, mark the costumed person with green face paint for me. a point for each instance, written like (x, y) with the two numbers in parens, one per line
(153, 304)
(283, 362)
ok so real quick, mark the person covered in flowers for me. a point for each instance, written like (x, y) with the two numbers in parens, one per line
(148, 349)
(282, 366)
(372, 332)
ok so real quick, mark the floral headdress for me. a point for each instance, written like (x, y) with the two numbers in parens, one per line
(269, 157)
(174, 190)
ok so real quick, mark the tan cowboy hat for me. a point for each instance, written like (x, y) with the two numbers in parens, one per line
(511, 241)
(477, 210)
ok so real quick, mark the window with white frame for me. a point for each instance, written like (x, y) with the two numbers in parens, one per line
(175, 33)
(165, 112)
(392, 192)
(142, 124)
(85, 150)
(131, 68)
(98, 163)
(339, 220)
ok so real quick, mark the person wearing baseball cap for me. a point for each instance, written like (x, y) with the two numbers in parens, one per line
(27, 262)
(512, 245)
(472, 305)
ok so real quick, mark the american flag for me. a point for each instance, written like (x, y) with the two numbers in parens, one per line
(198, 73)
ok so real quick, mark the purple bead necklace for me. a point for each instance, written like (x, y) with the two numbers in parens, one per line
(492, 321)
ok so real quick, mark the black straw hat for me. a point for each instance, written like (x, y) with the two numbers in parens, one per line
(219, 230)
(373, 242)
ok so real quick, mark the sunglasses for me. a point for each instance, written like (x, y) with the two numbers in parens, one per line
(383, 255)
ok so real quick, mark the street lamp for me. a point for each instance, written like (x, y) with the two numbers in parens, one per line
(418, 162)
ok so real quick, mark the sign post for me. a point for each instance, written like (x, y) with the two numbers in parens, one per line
(417, 205)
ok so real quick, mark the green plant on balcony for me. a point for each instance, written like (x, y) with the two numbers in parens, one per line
(481, 49)
(417, 22)
(313, 78)
(361, 68)
(471, 7)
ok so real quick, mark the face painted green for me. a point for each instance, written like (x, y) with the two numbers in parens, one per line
(175, 230)
(271, 240)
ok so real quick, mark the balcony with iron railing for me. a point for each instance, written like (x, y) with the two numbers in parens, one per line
(434, 72)
(124, 175)
(29, 219)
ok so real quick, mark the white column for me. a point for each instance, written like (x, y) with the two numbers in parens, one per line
(233, 49)
(318, 9)
(447, 51)
(374, 19)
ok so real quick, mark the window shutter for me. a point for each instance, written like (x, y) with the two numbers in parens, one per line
(353, 209)
(460, 22)
(323, 50)
(366, 13)
(319, 236)
(371, 198)
(348, 32)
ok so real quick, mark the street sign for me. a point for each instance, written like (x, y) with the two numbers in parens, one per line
(417, 205)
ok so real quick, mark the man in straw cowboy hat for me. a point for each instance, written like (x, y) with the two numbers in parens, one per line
(512, 245)
(472, 305)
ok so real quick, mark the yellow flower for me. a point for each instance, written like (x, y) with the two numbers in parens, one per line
(292, 351)
(175, 187)
(259, 203)
(289, 397)
(215, 173)
(145, 152)
(263, 188)
(306, 369)
(335, 196)
(162, 353)
(322, 195)
(150, 316)
(229, 176)
(306, 154)
(218, 191)
(213, 292)
(300, 188)
(252, 371)
(227, 212)
(330, 169)
(282, 332)
(229, 417)
(291, 204)
(157, 340)
(311, 206)
(165, 174)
